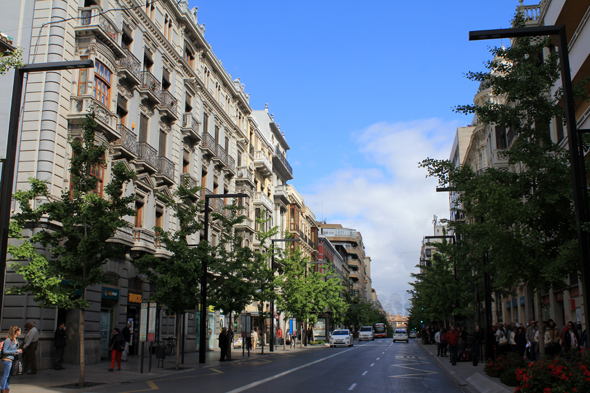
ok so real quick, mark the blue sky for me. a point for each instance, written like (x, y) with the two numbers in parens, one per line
(363, 92)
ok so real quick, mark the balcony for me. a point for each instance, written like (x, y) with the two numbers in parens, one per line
(206, 191)
(245, 176)
(90, 22)
(231, 165)
(260, 198)
(262, 163)
(149, 87)
(280, 162)
(105, 119)
(165, 172)
(143, 240)
(130, 68)
(147, 158)
(499, 158)
(168, 105)
(280, 194)
(190, 128)
(221, 156)
(126, 146)
(209, 145)
(246, 225)
(354, 275)
(123, 236)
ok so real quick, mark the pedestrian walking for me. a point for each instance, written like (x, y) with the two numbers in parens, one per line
(117, 347)
(443, 343)
(254, 338)
(437, 341)
(126, 332)
(223, 344)
(9, 350)
(279, 336)
(30, 348)
(59, 342)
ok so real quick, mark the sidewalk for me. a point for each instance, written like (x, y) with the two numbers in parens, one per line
(49, 380)
(464, 374)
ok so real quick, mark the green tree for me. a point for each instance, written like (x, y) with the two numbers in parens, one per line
(228, 287)
(10, 60)
(84, 221)
(522, 218)
(177, 278)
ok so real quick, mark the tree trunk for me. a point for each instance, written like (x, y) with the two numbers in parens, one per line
(82, 360)
(539, 310)
(178, 338)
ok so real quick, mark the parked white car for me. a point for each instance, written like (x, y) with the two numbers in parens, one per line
(341, 337)
(366, 333)
(400, 335)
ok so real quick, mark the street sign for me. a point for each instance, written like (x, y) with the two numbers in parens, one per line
(143, 318)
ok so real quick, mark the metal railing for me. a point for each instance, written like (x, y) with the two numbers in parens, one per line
(260, 196)
(150, 83)
(209, 143)
(206, 191)
(147, 153)
(168, 101)
(231, 163)
(245, 174)
(283, 159)
(222, 154)
(189, 121)
(261, 156)
(166, 167)
(90, 16)
(128, 139)
(130, 63)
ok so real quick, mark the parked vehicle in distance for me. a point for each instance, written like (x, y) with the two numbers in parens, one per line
(380, 330)
(366, 333)
(341, 337)
(413, 334)
(400, 335)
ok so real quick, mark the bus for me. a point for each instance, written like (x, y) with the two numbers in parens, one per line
(380, 330)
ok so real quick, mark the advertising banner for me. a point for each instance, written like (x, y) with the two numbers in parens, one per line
(152, 323)
(143, 318)
(319, 329)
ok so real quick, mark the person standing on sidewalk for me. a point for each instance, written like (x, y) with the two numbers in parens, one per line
(531, 340)
(477, 341)
(59, 342)
(453, 340)
(30, 348)
(126, 332)
(279, 336)
(254, 338)
(437, 341)
(9, 350)
(117, 347)
(223, 344)
(443, 343)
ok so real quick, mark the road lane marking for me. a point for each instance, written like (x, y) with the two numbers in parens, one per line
(383, 353)
(378, 358)
(352, 386)
(372, 364)
(257, 383)
(365, 373)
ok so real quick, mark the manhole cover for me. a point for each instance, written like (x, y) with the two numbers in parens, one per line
(77, 385)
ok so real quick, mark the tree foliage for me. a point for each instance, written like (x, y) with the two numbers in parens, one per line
(74, 229)
(10, 60)
(177, 278)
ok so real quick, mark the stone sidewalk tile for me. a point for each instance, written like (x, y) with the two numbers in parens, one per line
(467, 376)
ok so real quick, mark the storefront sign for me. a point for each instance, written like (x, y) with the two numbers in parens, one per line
(152, 323)
(110, 293)
(134, 298)
(143, 318)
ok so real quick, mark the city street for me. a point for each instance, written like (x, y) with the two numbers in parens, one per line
(377, 366)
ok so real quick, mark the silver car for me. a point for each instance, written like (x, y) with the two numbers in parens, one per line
(341, 337)
(400, 335)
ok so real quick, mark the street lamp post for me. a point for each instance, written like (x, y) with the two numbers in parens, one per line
(10, 161)
(202, 335)
(272, 301)
(576, 148)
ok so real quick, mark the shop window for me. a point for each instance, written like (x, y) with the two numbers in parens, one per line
(102, 83)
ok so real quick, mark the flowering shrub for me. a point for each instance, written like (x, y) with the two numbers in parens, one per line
(511, 361)
(558, 375)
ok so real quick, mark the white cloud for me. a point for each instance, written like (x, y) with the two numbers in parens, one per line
(391, 204)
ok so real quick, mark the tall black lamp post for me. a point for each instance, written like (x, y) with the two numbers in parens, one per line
(272, 301)
(10, 161)
(203, 333)
(576, 148)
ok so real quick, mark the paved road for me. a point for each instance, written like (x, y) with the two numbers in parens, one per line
(376, 366)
